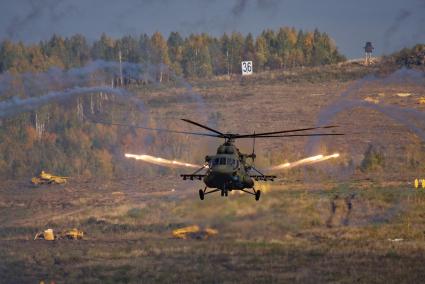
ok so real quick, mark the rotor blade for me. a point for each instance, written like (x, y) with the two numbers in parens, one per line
(205, 127)
(286, 131)
(253, 144)
(159, 129)
(292, 135)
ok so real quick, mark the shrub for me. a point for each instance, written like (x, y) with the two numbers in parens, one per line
(373, 159)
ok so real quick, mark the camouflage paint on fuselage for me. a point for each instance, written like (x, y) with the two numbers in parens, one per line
(227, 169)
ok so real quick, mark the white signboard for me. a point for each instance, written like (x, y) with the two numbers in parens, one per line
(246, 68)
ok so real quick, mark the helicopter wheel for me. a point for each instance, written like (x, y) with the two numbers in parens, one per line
(201, 194)
(226, 193)
(257, 195)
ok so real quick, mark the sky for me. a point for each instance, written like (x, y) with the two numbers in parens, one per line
(389, 24)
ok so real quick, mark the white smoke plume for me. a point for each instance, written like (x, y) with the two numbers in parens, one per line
(16, 106)
(411, 118)
(57, 85)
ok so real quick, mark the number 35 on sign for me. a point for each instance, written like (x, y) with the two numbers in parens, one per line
(246, 67)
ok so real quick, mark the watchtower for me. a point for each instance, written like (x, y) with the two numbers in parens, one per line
(368, 52)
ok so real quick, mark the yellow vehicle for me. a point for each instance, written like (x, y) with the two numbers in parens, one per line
(46, 178)
(49, 235)
(73, 234)
(194, 232)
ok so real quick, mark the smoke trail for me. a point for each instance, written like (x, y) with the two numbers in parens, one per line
(302, 162)
(60, 86)
(16, 106)
(403, 17)
(94, 77)
(38, 9)
(97, 72)
(161, 161)
(241, 5)
(18, 24)
(406, 116)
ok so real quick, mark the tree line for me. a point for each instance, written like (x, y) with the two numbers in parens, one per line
(57, 138)
(197, 55)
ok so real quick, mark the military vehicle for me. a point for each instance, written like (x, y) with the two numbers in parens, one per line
(194, 232)
(46, 178)
(49, 235)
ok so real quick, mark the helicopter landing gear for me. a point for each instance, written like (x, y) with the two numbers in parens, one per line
(204, 192)
(257, 194)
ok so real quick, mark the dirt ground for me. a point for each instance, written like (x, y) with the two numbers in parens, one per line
(324, 223)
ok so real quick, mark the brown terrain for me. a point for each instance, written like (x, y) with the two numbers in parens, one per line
(330, 222)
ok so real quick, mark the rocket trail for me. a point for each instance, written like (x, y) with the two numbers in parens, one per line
(302, 162)
(161, 161)
(173, 163)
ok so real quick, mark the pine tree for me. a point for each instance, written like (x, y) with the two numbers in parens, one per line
(249, 48)
(261, 52)
(236, 51)
(196, 57)
(104, 48)
(226, 51)
(78, 51)
(175, 51)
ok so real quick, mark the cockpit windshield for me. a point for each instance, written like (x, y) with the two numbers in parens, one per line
(224, 161)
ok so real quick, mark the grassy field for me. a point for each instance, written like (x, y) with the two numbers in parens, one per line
(335, 222)
(291, 235)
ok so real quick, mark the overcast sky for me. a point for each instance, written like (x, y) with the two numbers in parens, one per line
(388, 24)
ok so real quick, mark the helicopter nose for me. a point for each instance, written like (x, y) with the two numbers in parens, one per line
(221, 170)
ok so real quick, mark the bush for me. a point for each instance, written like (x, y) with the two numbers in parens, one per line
(135, 213)
(373, 159)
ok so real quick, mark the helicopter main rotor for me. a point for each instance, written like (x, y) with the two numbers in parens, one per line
(232, 136)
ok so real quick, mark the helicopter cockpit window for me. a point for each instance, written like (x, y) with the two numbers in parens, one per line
(215, 162)
(222, 161)
(232, 162)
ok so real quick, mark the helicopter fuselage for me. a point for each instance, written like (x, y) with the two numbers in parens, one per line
(227, 169)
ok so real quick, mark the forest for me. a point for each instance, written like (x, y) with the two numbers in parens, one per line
(56, 136)
(198, 55)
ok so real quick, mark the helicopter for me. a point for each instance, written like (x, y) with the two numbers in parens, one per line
(229, 169)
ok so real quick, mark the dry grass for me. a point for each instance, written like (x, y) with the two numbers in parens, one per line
(284, 237)
(291, 235)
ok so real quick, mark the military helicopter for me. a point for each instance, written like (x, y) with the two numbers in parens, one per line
(229, 169)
